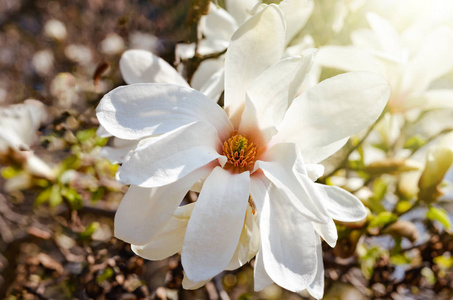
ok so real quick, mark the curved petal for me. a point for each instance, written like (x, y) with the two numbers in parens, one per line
(216, 224)
(249, 242)
(209, 78)
(318, 154)
(273, 91)
(288, 242)
(260, 276)
(259, 186)
(314, 171)
(254, 47)
(170, 239)
(334, 109)
(432, 99)
(19, 123)
(218, 24)
(140, 110)
(342, 205)
(349, 58)
(214, 86)
(188, 284)
(101, 132)
(144, 212)
(328, 232)
(296, 188)
(388, 36)
(167, 158)
(241, 10)
(432, 60)
(119, 151)
(140, 66)
(316, 288)
(297, 13)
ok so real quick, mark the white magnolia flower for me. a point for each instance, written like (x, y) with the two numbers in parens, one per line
(19, 124)
(410, 62)
(138, 66)
(219, 26)
(262, 150)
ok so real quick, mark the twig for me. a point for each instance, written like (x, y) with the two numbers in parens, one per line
(343, 163)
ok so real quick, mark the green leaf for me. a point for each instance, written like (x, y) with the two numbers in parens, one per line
(85, 135)
(379, 189)
(440, 215)
(403, 206)
(444, 261)
(98, 194)
(400, 259)
(382, 219)
(10, 172)
(414, 143)
(105, 275)
(55, 198)
(89, 230)
(73, 197)
(43, 196)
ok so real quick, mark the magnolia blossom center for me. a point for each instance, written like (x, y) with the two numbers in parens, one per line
(239, 151)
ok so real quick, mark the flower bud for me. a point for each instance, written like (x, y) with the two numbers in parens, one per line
(403, 229)
(438, 161)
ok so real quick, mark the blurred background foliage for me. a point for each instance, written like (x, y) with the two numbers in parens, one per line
(56, 231)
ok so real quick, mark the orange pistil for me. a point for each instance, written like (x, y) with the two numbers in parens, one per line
(239, 152)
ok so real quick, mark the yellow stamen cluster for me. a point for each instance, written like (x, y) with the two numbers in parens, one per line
(239, 152)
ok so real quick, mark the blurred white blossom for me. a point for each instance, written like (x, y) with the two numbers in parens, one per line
(410, 62)
(19, 124)
(55, 29)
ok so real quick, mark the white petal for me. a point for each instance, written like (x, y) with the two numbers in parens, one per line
(216, 224)
(38, 167)
(296, 188)
(386, 33)
(144, 212)
(241, 10)
(101, 132)
(249, 242)
(188, 284)
(260, 276)
(342, 205)
(273, 91)
(328, 232)
(348, 58)
(254, 47)
(140, 110)
(259, 186)
(318, 154)
(168, 241)
(316, 288)
(297, 13)
(19, 124)
(432, 99)
(209, 78)
(167, 158)
(120, 149)
(432, 60)
(140, 66)
(288, 244)
(218, 24)
(214, 86)
(185, 51)
(206, 46)
(334, 109)
(314, 171)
